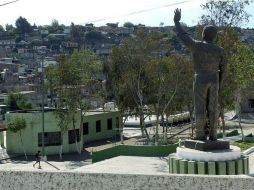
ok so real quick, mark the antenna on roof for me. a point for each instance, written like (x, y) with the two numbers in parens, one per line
(8, 3)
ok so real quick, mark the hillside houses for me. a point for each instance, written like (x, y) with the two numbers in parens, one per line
(65, 39)
(22, 55)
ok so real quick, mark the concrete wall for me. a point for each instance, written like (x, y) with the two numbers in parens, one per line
(28, 180)
(134, 150)
(34, 126)
(105, 133)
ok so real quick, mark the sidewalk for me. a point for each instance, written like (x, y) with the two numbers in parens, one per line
(28, 165)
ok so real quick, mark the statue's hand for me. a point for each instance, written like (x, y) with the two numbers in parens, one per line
(177, 16)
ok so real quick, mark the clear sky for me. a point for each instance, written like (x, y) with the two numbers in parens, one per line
(42, 12)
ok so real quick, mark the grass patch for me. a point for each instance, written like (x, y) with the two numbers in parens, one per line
(244, 145)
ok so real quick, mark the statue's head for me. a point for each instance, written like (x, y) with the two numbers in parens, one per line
(209, 33)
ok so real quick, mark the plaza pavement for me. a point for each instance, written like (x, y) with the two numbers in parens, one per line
(134, 165)
(121, 164)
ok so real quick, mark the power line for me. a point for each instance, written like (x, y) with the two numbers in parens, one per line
(8, 3)
(137, 12)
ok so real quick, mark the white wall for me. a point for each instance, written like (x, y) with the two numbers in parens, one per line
(28, 180)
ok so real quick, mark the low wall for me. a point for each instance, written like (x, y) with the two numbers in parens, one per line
(137, 150)
(30, 180)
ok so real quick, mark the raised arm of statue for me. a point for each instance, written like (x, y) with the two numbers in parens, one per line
(181, 33)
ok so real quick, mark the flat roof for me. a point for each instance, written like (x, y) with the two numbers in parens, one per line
(97, 112)
(21, 92)
(90, 112)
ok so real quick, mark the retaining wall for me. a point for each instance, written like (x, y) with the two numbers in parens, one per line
(30, 180)
(135, 150)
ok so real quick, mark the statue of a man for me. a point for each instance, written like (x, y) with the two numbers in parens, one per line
(209, 66)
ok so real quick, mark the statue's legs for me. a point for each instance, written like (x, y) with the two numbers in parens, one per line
(200, 95)
(213, 110)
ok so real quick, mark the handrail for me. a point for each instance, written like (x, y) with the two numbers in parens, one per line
(180, 132)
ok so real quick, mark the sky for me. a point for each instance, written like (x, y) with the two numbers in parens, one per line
(100, 12)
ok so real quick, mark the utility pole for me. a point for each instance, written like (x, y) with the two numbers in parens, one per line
(42, 106)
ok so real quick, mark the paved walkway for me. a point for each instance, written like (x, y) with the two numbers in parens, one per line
(137, 165)
(45, 166)
(129, 165)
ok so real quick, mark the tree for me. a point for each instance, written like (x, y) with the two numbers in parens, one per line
(163, 73)
(63, 122)
(77, 33)
(23, 26)
(128, 25)
(55, 42)
(10, 29)
(17, 126)
(128, 64)
(66, 80)
(170, 87)
(55, 27)
(229, 13)
(1, 28)
(242, 77)
(79, 71)
(17, 101)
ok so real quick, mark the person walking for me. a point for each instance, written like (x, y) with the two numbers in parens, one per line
(38, 159)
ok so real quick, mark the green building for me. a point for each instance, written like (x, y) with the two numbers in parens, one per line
(97, 125)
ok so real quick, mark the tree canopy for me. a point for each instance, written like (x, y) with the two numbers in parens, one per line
(230, 13)
(17, 101)
(148, 78)
(128, 25)
(73, 76)
(23, 26)
(19, 123)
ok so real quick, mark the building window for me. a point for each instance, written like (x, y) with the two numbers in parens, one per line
(251, 103)
(71, 135)
(85, 128)
(98, 126)
(50, 139)
(109, 122)
(117, 122)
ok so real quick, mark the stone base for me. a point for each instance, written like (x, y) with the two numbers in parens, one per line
(233, 167)
(206, 145)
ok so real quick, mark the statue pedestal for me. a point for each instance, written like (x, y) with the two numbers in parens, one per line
(233, 153)
(206, 145)
(227, 161)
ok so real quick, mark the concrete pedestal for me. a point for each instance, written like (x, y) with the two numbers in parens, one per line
(233, 153)
(216, 162)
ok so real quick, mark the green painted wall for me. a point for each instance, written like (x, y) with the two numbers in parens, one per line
(105, 133)
(131, 150)
(34, 126)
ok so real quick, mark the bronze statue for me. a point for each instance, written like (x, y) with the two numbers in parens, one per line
(209, 66)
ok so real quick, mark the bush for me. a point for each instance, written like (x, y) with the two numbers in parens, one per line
(230, 134)
(249, 135)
